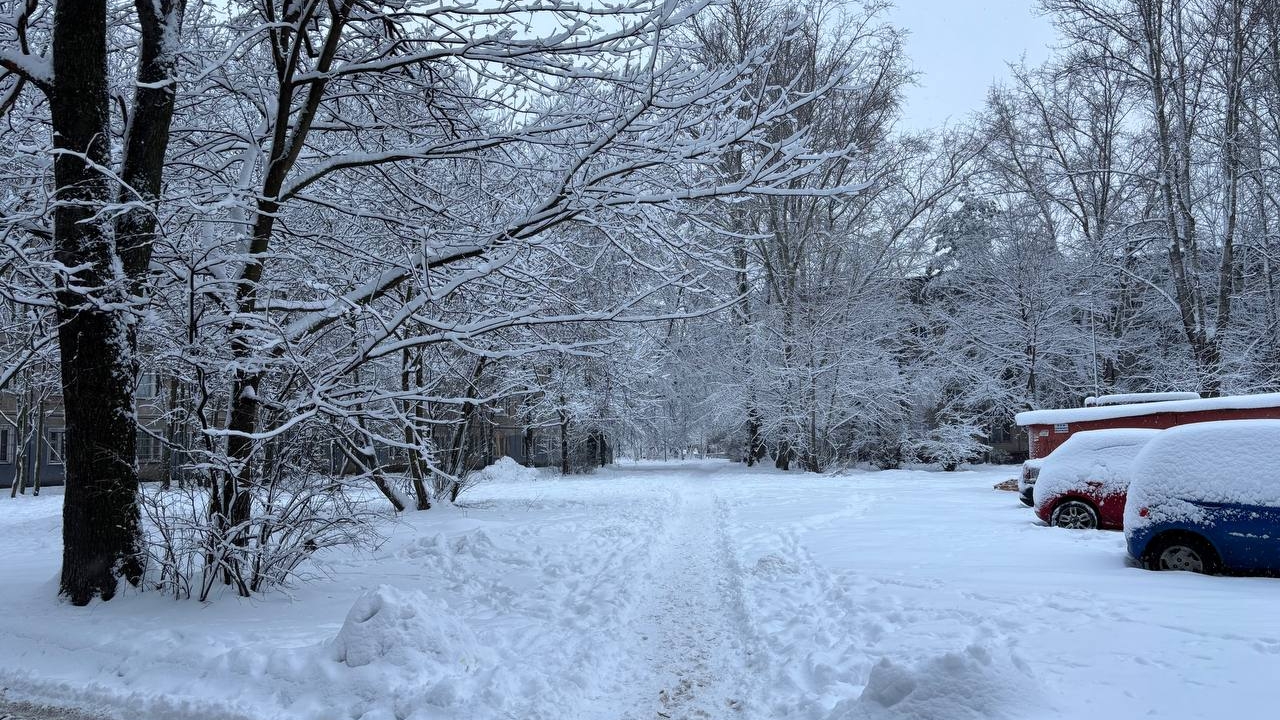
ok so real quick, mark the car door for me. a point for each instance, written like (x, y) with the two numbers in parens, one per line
(1267, 529)
(1246, 536)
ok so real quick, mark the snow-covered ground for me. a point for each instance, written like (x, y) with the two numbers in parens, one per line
(696, 590)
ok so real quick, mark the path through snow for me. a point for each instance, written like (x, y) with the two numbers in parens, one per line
(691, 627)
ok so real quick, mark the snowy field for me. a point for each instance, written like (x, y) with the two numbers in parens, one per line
(697, 590)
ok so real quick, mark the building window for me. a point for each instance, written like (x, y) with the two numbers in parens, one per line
(149, 448)
(149, 385)
(57, 446)
(6, 436)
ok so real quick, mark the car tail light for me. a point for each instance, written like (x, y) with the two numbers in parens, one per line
(1143, 512)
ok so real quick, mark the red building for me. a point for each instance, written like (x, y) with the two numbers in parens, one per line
(1047, 429)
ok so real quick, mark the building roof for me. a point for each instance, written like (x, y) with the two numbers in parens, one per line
(1086, 414)
(1131, 398)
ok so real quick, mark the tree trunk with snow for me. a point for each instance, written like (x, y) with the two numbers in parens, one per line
(100, 530)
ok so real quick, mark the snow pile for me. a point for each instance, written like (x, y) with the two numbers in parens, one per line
(972, 683)
(1095, 461)
(1231, 461)
(403, 628)
(398, 651)
(505, 470)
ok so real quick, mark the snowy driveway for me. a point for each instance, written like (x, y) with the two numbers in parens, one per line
(697, 590)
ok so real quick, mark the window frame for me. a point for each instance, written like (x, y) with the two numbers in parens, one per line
(58, 456)
(149, 385)
(152, 443)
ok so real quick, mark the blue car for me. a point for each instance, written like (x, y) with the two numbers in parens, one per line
(1206, 498)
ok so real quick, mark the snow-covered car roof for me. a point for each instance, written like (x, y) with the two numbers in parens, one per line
(1228, 461)
(1133, 398)
(1099, 456)
(1070, 415)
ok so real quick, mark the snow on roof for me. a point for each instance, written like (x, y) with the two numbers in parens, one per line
(1228, 461)
(1070, 415)
(1131, 398)
(1101, 456)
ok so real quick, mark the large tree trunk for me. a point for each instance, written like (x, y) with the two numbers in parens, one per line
(1174, 113)
(147, 136)
(100, 529)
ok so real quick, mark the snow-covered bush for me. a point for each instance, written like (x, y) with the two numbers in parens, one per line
(1232, 461)
(950, 444)
(293, 517)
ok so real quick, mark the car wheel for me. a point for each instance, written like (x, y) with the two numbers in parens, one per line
(1074, 515)
(1026, 499)
(1187, 553)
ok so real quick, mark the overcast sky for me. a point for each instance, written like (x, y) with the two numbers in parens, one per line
(961, 46)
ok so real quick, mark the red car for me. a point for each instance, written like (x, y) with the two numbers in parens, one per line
(1083, 484)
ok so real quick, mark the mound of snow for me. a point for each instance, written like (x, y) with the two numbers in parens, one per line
(1231, 461)
(971, 684)
(407, 629)
(505, 470)
(1104, 457)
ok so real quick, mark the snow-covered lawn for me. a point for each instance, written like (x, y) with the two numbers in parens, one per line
(697, 590)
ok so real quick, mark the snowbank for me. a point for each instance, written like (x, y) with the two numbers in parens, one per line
(1070, 415)
(1094, 456)
(974, 683)
(1231, 461)
(505, 470)
(405, 628)
(408, 645)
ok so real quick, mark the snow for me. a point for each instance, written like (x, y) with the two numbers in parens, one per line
(505, 470)
(1111, 412)
(1130, 398)
(38, 69)
(1230, 461)
(694, 590)
(1098, 456)
(968, 684)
